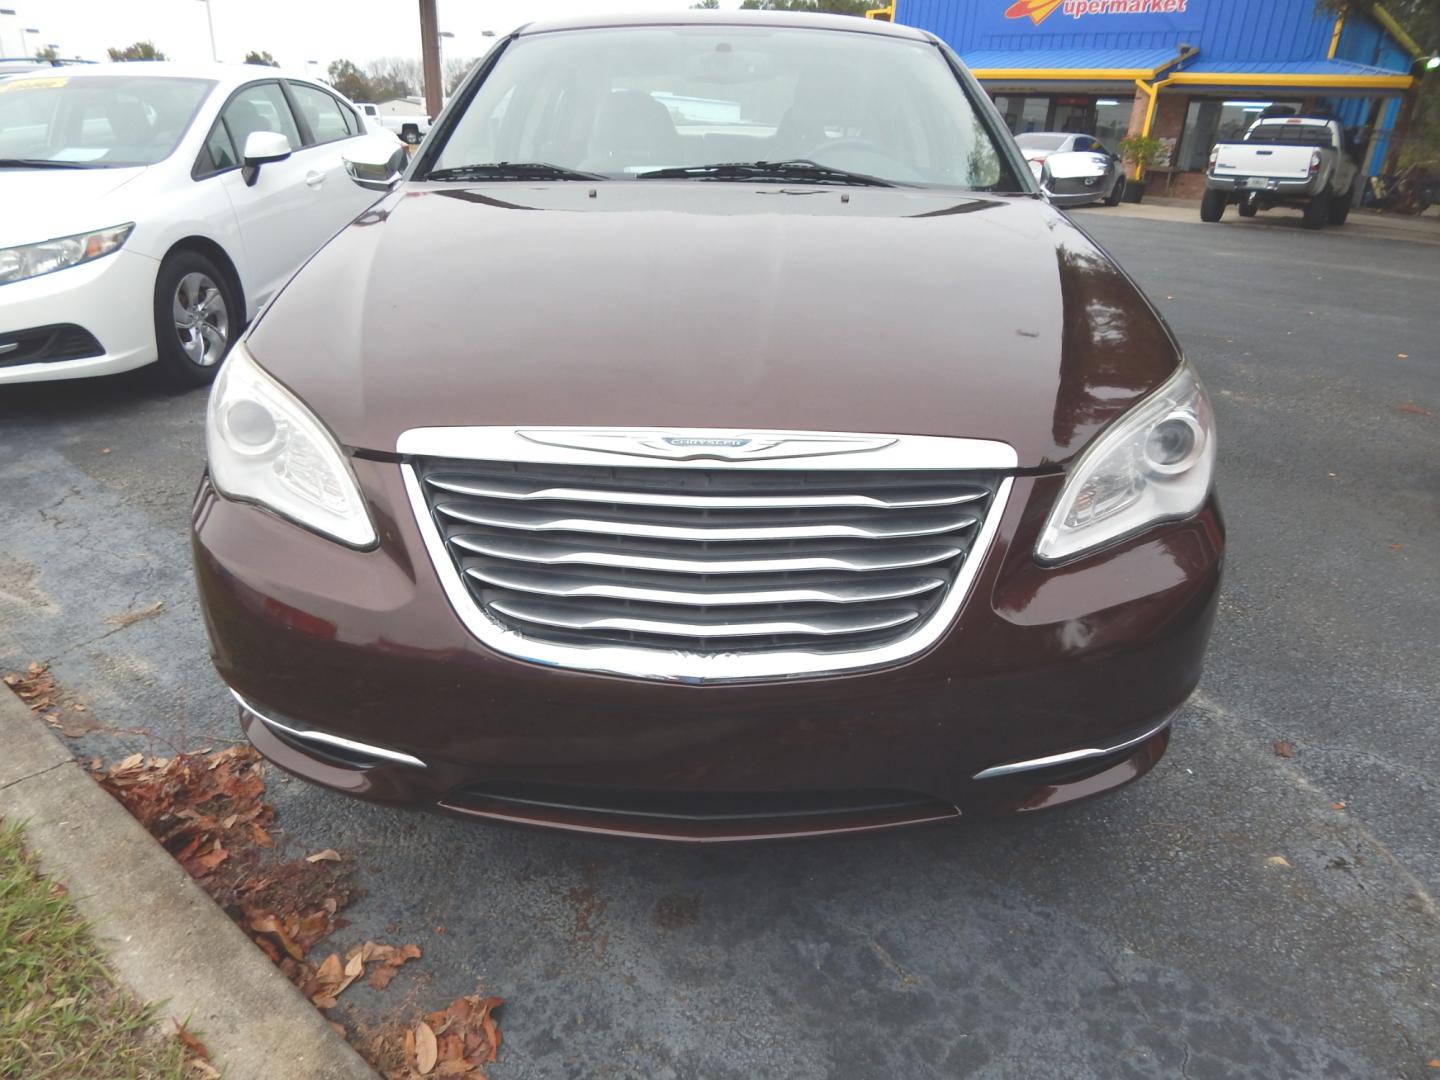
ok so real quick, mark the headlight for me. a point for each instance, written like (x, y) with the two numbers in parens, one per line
(1154, 464)
(32, 260)
(267, 448)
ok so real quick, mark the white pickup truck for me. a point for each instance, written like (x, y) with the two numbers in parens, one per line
(1284, 161)
(410, 127)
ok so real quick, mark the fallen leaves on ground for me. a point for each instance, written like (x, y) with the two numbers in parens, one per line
(1277, 860)
(1283, 749)
(130, 618)
(456, 1041)
(38, 689)
(207, 811)
(1414, 410)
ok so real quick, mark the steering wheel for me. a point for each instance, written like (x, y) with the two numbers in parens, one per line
(852, 141)
(863, 156)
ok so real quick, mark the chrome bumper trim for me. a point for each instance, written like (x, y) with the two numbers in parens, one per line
(324, 738)
(1069, 756)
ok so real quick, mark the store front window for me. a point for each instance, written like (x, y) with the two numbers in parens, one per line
(1023, 113)
(1106, 118)
(1209, 121)
(1112, 119)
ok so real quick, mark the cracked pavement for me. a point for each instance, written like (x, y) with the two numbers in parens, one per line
(1149, 934)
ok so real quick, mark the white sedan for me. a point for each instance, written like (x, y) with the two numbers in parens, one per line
(152, 208)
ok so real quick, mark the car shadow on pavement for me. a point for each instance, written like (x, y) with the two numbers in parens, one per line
(88, 397)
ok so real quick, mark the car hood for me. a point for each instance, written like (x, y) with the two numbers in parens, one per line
(717, 305)
(46, 203)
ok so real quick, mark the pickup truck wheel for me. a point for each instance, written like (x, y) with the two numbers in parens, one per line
(1212, 205)
(1246, 207)
(1340, 208)
(1317, 211)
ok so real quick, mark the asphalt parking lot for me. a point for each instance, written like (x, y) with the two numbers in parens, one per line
(1237, 913)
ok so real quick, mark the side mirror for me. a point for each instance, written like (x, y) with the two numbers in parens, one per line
(262, 147)
(376, 162)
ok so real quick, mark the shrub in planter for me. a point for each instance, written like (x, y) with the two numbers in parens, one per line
(1140, 152)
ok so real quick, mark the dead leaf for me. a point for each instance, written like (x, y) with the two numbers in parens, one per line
(1284, 749)
(105, 450)
(130, 618)
(1277, 860)
(1402, 356)
(328, 855)
(426, 1049)
(1337, 806)
(1433, 1063)
(193, 1046)
(1414, 410)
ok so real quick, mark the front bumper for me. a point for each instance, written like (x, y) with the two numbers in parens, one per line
(364, 646)
(111, 297)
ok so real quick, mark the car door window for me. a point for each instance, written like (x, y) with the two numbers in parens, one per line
(326, 119)
(220, 152)
(1084, 144)
(261, 107)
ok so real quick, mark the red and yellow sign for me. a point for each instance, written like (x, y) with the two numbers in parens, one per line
(1037, 11)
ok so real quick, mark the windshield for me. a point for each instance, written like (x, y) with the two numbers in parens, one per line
(1033, 141)
(620, 102)
(95, 121)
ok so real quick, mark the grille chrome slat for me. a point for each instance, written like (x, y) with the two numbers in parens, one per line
(546, 552)
(921, 499)
(542, 521)
(546, 583)
(721, 571)
(826, 625)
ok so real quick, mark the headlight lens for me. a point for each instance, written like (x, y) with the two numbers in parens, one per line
(1154, 464)
(32, 260)
(267, 448)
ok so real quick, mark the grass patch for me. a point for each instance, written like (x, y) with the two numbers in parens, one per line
(62, 1014)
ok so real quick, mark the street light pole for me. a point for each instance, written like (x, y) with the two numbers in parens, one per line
(210, 20)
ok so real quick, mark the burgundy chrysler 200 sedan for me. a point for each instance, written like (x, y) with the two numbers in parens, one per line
(713, 434)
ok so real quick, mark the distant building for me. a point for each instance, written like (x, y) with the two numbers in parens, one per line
(406, 106)
(1188, 72)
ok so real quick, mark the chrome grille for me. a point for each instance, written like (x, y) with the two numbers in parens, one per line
(707, 561)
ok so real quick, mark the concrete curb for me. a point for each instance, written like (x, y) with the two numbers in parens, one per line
(162, 934)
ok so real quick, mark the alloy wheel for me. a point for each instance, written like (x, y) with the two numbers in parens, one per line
(202, 320)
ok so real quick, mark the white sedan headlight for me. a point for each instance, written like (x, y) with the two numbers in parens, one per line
(32, 260)
(1153, 464)
(266, 447)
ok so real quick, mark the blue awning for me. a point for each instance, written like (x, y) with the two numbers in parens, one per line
(1086, 64)
(1320, 68)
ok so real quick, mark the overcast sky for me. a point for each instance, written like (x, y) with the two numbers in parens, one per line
(294, 31)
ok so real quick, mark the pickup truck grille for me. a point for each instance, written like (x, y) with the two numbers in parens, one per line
(705, 561)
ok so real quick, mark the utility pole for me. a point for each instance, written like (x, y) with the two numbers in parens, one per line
(430, 57)
(210, 19)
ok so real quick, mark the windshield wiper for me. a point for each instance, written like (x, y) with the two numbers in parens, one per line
(40, 163)
(793, 169)
(512, 170)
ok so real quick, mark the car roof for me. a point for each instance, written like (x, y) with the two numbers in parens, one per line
(227, 75)
(803, 19)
